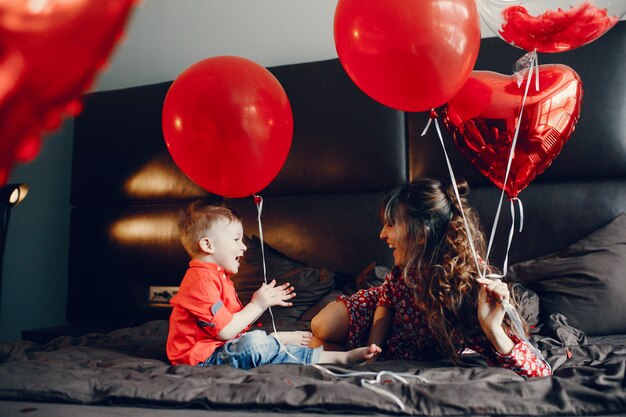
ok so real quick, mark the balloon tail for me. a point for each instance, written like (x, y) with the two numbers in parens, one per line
(530, 62)
(458, 196)
(433, 116)
(516, 321)
(533, 64)
(511, 232)
(258, 201)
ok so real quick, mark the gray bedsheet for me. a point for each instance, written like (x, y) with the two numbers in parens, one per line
(128, 368)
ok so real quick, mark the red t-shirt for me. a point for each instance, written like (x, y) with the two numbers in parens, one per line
(204, 305)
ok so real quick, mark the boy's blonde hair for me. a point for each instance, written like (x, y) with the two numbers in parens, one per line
(197, 218)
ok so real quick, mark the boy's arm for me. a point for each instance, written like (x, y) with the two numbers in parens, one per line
(266, 296)
(240, 321)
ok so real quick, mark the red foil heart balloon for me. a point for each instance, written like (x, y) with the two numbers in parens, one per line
(483, 116)
(50, 51)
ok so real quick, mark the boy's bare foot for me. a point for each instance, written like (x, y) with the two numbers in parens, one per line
(297, 337)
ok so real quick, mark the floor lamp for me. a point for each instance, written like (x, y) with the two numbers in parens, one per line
(10, 196)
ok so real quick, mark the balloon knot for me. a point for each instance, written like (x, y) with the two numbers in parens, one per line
(258, 199)
(433, 114)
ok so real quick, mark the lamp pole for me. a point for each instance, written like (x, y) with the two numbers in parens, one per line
(10, 196)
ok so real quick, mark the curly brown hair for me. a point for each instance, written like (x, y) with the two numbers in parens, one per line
(440, 266)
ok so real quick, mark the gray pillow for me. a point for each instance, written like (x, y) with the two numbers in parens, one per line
(586, 281)
(372, 276)
(527, 303)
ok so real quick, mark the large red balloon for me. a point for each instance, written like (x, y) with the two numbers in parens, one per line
(410, 55)
(50, 52)
(228, 125)
(482, 119)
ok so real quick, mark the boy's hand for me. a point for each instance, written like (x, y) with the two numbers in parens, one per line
(271, 295)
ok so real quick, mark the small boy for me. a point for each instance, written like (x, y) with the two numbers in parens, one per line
(208, 324)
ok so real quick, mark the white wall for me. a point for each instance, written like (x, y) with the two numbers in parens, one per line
(167, 36)
(163, 38)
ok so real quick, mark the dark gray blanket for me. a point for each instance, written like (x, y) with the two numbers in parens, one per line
(128, 367)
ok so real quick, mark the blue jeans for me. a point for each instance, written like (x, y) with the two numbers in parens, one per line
(256, 348)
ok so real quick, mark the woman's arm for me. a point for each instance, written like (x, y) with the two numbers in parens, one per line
(381, 326)
(501, 342)
(383, 315)
(512, 353)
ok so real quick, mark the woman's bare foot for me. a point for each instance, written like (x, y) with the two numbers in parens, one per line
(297, 337)
(351, 357)
(361, 355)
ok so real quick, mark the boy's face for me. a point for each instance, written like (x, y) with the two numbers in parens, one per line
(227, 244)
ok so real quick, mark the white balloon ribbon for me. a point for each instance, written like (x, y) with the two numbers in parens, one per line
(516, 322)
(494, 227)
(258, 201)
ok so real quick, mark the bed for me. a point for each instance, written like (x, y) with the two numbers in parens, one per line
(320, 230)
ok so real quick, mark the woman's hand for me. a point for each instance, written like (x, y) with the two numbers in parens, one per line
(271, 295)
(493, 293)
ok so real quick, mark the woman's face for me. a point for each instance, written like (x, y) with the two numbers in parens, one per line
(394, 235)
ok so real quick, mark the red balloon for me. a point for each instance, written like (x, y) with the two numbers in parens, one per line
(49, 55)
(483, 116)
(410, 55)
(543, 26)
(228, 125)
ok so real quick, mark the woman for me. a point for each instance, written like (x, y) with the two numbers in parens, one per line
(433, 303)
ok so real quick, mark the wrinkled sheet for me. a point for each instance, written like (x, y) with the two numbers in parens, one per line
(128, 367)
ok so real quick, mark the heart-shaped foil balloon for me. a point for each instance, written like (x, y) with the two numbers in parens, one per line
(50, 51)
(483, 116)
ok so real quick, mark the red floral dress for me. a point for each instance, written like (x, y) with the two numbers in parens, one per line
(410, 338)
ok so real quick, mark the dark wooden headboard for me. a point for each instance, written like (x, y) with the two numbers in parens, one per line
(322, 208)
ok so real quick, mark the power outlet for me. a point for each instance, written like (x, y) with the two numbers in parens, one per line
(161, 295)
